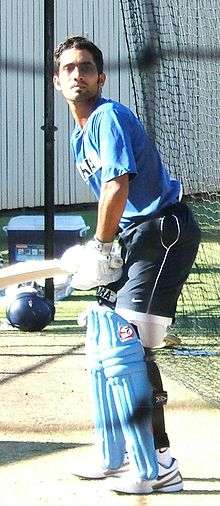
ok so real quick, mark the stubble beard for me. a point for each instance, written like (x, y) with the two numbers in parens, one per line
(85, 97)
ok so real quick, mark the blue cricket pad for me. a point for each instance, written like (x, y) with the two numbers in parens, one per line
(122, 392)
(110, 436)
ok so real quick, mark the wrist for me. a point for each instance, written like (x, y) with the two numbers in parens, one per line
(103, 247)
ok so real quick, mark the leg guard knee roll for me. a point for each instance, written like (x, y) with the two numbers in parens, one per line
(114, 348)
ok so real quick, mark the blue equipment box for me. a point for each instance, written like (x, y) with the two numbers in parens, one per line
(26, 236)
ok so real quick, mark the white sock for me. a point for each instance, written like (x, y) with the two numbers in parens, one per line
(164, 457)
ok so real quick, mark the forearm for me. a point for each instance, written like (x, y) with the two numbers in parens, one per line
(112, 202)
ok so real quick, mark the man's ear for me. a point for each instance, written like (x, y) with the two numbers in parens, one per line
(101, 79)
(56, 82)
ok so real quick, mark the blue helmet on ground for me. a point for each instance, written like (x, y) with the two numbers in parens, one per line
(29, 311)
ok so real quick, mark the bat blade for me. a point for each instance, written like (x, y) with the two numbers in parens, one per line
(30, 271)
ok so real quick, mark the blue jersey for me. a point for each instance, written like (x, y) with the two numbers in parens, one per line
(114, 142)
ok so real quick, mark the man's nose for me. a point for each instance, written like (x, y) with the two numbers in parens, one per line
(76, 72)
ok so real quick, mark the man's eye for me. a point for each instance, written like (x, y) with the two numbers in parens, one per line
(68, 68)
(84, 68)
(87, 68)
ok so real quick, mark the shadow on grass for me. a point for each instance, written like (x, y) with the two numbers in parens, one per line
(198, 492)
(66, 330)
(64, 323)
(82, 297)
(14, 451)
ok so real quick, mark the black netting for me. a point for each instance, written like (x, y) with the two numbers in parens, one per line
(176, 84)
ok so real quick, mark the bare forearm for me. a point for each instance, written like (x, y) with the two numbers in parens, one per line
(111, 206)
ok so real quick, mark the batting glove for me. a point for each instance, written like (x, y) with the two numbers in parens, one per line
(93, 264)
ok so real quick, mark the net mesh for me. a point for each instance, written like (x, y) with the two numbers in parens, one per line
(178, 100)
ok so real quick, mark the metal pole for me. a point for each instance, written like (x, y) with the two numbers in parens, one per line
(49, 129)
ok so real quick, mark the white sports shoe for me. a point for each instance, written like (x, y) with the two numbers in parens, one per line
(99, 473)
(169, 480)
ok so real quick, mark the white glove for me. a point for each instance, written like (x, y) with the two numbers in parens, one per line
(92, 264)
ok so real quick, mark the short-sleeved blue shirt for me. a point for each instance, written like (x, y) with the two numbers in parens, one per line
(114, 142)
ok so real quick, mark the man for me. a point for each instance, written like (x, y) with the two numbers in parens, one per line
(139, 203)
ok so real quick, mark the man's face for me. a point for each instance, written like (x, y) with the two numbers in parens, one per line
(78, 78)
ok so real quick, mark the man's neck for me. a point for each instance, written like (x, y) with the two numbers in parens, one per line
(82, 110)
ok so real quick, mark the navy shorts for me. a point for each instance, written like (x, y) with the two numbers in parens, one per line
(158, 256)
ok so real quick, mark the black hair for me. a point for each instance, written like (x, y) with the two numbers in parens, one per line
(78, 42)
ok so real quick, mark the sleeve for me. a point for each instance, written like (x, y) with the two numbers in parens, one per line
(116, 152)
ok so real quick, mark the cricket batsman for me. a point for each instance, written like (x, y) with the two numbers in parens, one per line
(140, 205)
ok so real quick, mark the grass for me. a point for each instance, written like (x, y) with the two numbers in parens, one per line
(199, 301)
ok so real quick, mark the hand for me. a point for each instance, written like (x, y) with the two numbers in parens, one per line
(94, 264)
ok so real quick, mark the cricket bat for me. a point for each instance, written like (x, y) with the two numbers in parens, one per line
(30, 271)
(33, 270)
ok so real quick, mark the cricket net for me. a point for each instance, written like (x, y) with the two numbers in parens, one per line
(176, 86)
